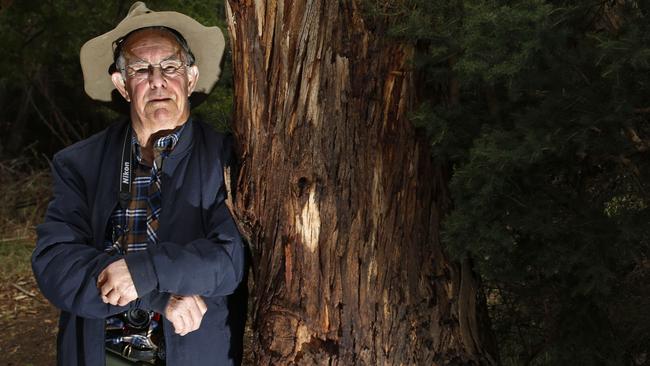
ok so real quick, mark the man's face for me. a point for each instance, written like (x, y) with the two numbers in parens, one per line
(156, 94)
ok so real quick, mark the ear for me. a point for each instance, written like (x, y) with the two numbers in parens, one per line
(118, 81)
(192, 78)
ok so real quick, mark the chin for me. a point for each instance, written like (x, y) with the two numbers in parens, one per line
(164, 115)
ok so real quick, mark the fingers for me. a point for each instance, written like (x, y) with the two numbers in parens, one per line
(185, 313)
(190, 314)
(124, 300)
(173, 313)
(115, 284)
(195, 316)
(179, 324)
(101, 279)
(112, 297)
(106, 290)
(201, 304)
(116, 295)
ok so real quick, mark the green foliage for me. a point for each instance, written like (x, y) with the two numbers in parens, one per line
(548, 138)
(501, 42)
(42, 100)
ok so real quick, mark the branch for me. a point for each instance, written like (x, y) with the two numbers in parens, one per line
(6, 240)
(26, 292)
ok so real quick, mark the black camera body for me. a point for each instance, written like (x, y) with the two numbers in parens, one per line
(137, 336)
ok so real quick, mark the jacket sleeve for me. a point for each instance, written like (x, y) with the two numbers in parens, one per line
(65, 262)
(211, 266)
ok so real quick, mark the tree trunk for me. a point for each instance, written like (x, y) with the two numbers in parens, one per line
(340, 198)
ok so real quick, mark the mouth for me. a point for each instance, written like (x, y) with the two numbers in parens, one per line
(159, 99)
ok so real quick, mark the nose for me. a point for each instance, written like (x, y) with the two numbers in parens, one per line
(156, 78)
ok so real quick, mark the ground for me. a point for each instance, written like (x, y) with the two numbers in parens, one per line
(28, 323)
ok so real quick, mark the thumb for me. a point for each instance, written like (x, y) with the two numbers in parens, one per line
(101, 279)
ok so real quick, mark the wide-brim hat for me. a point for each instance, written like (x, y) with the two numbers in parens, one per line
(96, 56)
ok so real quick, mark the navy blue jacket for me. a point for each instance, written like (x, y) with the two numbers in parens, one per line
(200, 250)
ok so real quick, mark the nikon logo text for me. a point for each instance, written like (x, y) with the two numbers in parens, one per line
(125, 173)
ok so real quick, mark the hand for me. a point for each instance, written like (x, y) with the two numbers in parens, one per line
(185, 313)
(116, 285)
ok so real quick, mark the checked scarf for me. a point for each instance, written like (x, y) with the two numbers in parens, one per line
(137, 226)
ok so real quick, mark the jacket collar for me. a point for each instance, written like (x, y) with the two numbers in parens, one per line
(185, 140)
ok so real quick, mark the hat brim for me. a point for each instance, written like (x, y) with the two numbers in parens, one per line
(207, 45)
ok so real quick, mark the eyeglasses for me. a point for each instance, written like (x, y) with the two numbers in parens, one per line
(142, 70)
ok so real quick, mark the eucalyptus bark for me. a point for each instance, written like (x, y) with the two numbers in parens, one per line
(340, 198)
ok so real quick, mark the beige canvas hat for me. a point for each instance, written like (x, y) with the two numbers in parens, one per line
(207, 45)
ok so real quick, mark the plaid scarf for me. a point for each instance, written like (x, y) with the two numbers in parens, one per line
(137, 226)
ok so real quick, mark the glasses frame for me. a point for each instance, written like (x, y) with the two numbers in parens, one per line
(138, 74)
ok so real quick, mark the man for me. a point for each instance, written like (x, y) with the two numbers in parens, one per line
(138, 248)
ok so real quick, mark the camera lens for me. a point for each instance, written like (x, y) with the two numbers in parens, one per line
(138, 318)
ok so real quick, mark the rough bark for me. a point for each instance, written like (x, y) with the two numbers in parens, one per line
(340, 198)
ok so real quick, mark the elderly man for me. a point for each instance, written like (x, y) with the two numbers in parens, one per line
(138, 248)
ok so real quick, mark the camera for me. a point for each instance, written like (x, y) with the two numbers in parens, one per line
(137, 336)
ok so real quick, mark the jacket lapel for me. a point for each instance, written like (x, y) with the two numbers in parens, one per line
(108, 183)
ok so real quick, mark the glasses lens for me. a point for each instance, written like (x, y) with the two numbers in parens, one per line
(141, 70)
(170, 67)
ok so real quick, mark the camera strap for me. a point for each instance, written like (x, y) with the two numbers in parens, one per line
(126, 170)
